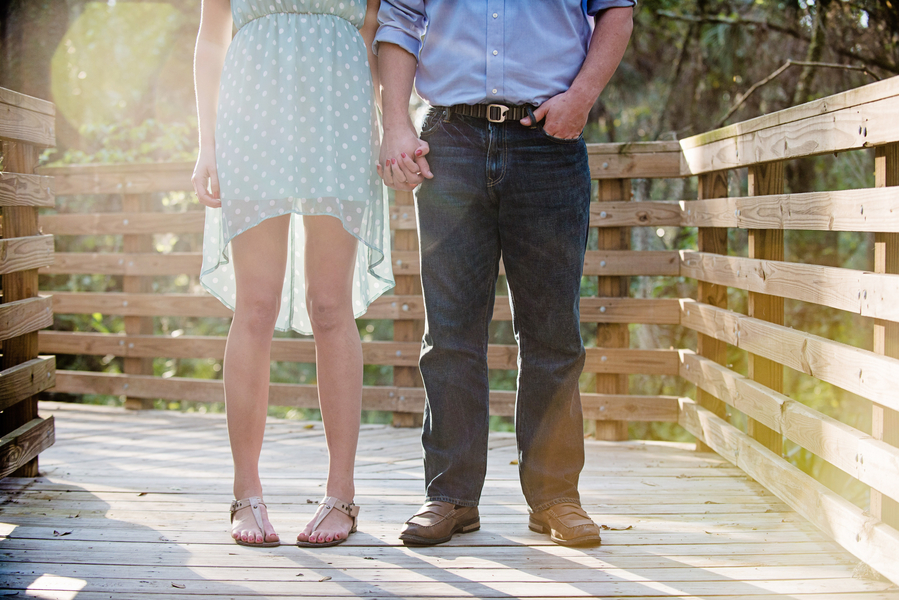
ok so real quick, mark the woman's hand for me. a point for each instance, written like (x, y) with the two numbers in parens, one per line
(206, 181)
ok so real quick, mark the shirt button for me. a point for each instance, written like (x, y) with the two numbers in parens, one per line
(494, 90)
(495, 53)
(495, 15)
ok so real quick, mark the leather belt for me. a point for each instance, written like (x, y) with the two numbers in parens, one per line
(495, 113)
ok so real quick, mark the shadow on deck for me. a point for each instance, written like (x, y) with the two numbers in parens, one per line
(134, 505)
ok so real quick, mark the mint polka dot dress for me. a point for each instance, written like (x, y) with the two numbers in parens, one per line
(296, 134)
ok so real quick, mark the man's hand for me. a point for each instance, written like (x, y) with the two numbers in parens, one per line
(402, 163)
(566, 115)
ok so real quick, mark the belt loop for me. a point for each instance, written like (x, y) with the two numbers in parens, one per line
(447, 114)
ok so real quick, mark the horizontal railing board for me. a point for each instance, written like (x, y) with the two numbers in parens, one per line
(859, 118)
(27, 102)
(663, 311)
(868, 374)
(387, 398)
(127, 223)
(596, 262)
(860, 210)
(398, 354)
(26, 120)
(24, 253)
(19, 446)
(867, 538)
(25, 316)
(634, 159)
(121, 178)
(149, 264)
(405, 262)
(862, 292)
(863, 210)
(626, 214)
(873, 462)
(26, 379)
(17, 189)
(607, 161)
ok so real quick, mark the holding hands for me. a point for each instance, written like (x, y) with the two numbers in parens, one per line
(402, 163)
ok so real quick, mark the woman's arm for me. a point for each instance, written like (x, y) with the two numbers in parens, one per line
(368, 31)
(209, 58)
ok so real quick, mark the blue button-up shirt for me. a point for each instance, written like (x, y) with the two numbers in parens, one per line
(481, 51)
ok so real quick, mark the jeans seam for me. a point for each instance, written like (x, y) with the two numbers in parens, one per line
(543, 506)
(456, 501)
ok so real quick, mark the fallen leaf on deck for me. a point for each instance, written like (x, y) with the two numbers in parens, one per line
(142, 494)
(513, 462)
(649, 484)
(607, 528)
(309, 426)
(325, 578)
(368, 557)
(711, 502)
(308, 501)
(180, 586)
(299, 575)
(61, 533)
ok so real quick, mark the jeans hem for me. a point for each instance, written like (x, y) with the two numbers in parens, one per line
(456, 501)
(544, 505)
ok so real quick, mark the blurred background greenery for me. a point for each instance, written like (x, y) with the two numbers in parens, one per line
(120, 74)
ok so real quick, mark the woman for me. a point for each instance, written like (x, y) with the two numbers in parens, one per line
(289, 181)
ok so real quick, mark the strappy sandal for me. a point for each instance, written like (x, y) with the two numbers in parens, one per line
(253, 503)
(331, 503)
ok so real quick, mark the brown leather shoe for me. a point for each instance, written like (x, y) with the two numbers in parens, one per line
(567, 524)
(436, 522)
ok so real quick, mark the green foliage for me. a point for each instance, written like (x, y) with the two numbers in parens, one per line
(126, 142)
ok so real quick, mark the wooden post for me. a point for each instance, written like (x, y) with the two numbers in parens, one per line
(407, 330)
(714, 240)
(766, 244)
(612, 335)
(137, 243)
(20, 221)
(885, 422)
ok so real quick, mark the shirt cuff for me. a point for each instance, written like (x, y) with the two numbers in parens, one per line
(393, 35)
(595, 6)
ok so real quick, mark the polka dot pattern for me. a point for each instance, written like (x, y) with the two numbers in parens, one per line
(296, 134)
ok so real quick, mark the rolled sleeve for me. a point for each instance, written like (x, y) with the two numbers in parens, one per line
(597, 6)
(401, 23)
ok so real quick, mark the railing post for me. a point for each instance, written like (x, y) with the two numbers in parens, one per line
(885, 422)
(407, 330)
(137, 243)
(612, 335)
(766, 244)
(712, 240)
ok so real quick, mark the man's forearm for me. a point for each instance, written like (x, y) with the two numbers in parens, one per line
(397, 71)
(610, 38)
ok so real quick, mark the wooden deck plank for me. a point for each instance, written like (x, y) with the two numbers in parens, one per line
(130, 504)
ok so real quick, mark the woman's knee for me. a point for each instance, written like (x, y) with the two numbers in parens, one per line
(328, 309)
(258, 310)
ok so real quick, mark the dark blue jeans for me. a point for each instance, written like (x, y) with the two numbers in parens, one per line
(501, 189)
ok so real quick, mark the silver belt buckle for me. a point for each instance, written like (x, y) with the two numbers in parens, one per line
(496, 109)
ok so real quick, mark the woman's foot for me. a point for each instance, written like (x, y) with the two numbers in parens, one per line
(244, 526)
(334, 527)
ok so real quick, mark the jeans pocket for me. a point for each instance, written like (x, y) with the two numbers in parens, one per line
(559, 140)
(432, 121)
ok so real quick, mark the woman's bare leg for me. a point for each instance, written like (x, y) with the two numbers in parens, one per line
(259, 256)
(330, 258)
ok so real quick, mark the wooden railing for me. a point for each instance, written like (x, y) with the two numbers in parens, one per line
(26, 126)
(858, 120)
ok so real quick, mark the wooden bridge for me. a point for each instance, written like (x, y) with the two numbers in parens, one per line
(132, 503)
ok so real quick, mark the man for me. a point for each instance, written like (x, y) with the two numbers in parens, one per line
(505, 172)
